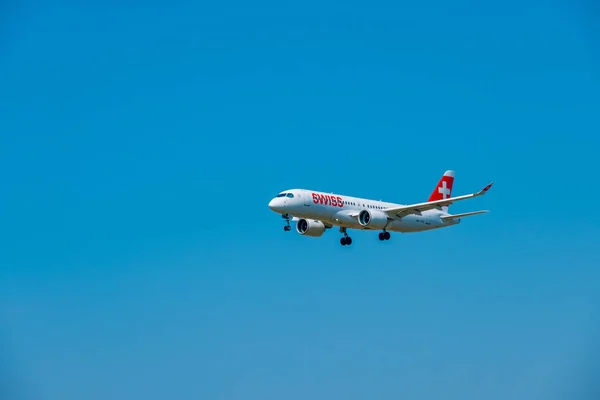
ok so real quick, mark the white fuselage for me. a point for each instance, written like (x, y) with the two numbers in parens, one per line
(342, 210)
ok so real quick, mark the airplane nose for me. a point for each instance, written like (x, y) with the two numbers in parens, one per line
(276, 205)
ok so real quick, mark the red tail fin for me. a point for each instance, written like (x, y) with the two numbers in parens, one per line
(443, 190)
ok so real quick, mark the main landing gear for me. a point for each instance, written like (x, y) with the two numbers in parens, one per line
(346, 240)
(287, 218)
(385, 235)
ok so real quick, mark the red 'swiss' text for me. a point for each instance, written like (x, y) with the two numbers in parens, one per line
(328, 200)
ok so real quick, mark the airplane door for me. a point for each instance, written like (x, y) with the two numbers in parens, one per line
(306, 198)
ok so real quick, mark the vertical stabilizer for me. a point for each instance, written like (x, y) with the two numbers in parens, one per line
(443, 190)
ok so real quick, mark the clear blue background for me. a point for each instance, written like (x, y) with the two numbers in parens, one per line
(141, 143)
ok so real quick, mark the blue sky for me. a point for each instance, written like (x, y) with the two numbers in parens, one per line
(140, 146)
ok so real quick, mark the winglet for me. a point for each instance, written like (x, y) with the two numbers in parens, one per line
(485, 189)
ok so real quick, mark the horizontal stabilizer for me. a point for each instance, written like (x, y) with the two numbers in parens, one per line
(456, 216)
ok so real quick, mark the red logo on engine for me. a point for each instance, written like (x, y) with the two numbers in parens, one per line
(335, 201)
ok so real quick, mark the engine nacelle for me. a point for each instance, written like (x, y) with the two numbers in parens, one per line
(372, 219)
(310, 227)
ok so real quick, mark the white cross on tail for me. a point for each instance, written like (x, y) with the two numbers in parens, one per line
(444, 190)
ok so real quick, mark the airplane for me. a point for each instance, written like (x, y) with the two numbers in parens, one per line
(315, 211)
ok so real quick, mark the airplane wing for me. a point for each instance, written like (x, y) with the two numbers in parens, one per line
(399, 212)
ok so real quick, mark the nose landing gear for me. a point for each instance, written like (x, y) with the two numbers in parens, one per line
(287, 218)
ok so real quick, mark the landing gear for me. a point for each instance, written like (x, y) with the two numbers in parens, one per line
(385, 235)
(346, 240)
(287, 218)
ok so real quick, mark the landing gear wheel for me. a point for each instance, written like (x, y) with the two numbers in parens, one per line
(287, 228)
(385, 235)
(346, 241)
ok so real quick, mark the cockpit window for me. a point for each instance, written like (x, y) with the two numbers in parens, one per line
(290, 195)
(281, 195)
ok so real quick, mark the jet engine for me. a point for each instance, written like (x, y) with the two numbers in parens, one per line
(309, 227)
(372, 219)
